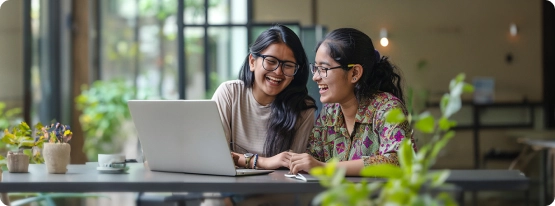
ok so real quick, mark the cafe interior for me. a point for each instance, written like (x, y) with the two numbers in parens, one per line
(78, 62)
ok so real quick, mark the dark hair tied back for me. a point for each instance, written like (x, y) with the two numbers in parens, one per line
(351, 46)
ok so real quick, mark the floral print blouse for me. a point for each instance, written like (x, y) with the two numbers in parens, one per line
(373, 139)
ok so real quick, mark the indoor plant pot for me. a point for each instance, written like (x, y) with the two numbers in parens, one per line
(17, 162)
(56, 157)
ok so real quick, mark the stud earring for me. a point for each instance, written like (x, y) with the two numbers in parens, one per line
(354, 79)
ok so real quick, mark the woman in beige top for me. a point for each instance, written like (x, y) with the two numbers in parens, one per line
(268, 111)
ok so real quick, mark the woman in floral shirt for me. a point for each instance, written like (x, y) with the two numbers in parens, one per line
(359, 87)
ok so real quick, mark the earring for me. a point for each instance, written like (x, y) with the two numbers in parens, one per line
(354, 79)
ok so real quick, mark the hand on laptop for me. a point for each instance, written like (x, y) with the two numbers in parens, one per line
(235, 158)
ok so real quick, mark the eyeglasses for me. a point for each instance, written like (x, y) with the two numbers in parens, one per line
(271, 63)
(318, 69)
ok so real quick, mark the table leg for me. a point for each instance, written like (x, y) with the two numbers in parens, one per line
(543, 178)
(5, 199)
(552, 162)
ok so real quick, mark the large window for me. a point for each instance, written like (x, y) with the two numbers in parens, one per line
(137, 44)
(146, 43)
(140, 44)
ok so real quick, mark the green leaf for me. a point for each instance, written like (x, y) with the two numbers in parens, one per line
(8, 138)
(441, 143)
(382, 170)
(317, 171)
(425, 124)
(446, 199)
(468, 88)
(453, 106)
(445, 124)
(457, 89)
(395, 116)
(438, 178)
(406, 155)
(444, 102)
(422, 151)
(460, 77)
(338, 176)
(26, 144)
(27, 152)
(24, 126)
(330, 167)
(2, 157)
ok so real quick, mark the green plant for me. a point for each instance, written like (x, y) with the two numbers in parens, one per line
(24, 138)
(412, 183)
(48, 198)
(8, 117)
(104, 110)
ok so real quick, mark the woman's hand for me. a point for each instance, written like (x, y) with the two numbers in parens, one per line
(235, 157)
(303, 162)
(277, 161)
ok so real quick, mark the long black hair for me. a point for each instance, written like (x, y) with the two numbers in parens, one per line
(289, 103)
(351, 46)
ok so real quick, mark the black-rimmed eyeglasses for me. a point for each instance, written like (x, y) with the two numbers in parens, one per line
(271, 63)
(318, 69)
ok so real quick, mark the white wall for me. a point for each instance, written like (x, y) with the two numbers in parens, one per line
(451, 36)
(11, 53)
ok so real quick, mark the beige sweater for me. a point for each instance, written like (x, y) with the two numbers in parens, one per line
(245, 120)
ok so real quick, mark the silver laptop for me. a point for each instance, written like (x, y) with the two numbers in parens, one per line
(184, 136)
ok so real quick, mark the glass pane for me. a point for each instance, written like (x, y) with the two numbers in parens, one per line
(218, 11)
(240, 49)
(194, 63)
(227, 54)
(119, 39)
(221, 12)
(194, 12)
(157, 62)
(239, 12)
(139, 45)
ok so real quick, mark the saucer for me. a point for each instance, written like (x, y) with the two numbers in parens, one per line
(110, 170)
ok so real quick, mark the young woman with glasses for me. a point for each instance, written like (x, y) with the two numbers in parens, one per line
(358, 88)
(268, 112)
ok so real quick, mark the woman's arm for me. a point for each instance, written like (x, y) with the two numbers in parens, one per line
(272, 163)
(389, 158)
(305, 162)
(390, 135)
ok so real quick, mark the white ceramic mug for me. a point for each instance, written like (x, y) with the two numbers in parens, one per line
(115, 161)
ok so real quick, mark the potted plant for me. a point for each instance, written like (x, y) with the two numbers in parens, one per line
(21, 137)
(411, 183)
(56, 151)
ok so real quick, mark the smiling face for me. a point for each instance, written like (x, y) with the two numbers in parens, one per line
(268, 84)
(338, 86)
